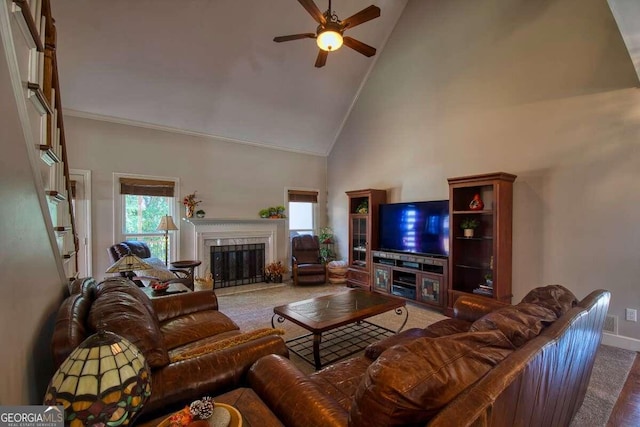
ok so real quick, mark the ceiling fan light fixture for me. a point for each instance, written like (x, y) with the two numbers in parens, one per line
(330, 38)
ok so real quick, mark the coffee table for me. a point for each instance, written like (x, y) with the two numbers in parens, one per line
(322, 314)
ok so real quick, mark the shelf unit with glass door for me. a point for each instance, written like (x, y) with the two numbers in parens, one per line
(363, 234)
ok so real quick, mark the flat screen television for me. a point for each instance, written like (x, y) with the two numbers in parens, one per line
(416, 227)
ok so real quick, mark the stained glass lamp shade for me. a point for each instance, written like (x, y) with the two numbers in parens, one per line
(128, 262)
(105, 381)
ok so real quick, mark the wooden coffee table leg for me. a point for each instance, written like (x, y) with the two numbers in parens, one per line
(317, 337)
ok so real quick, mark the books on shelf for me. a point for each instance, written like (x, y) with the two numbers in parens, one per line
(484, 290)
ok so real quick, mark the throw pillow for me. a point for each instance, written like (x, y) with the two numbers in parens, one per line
(233, 341)
(158, 270)
(408, 384)
(519, 323)
(554, 297)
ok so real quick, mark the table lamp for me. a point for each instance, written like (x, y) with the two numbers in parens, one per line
(166, 224)
(127, 264)
(105, 381)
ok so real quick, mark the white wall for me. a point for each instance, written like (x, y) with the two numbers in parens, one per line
(543, 90)
(232, 180)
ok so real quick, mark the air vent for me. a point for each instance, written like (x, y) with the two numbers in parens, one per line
(611, 324)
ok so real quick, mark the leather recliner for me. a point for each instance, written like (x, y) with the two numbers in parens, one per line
(141, 250)
(306, 261)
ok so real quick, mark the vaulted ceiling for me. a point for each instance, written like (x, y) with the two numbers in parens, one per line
(210, 67)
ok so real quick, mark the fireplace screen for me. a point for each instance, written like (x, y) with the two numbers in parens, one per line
(233, 265)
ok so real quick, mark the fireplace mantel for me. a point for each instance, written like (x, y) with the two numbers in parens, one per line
(208, 221)
(208, 232)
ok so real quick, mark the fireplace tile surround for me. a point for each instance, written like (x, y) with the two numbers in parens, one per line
(208, 232)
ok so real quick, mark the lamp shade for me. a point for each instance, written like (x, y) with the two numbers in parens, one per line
(330, 38)
(105, 381)
(128, 262)
(166, 223)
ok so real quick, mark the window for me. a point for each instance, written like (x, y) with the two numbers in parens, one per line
(142, 204)
(302, 212)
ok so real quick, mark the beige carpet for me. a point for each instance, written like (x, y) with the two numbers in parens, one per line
(251, 307)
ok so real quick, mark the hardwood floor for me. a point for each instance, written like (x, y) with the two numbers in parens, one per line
(626, 412)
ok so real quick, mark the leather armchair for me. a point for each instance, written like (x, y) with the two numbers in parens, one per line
(306, 261)
(141, 250)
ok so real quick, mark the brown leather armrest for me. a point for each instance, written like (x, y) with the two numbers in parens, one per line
(189, 302)
(471, 307)
(211, 373)
(292, 396)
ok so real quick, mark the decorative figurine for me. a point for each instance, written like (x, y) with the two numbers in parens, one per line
(476, 204)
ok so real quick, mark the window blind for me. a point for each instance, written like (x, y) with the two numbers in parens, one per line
(303, 196)
(146, 187)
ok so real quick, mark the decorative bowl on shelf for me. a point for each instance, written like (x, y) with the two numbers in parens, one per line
(159, 288)
(232, 415)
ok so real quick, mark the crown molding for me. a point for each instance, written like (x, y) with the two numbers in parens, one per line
(146, 125)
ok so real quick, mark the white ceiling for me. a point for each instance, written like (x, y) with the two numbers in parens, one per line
(211, 67)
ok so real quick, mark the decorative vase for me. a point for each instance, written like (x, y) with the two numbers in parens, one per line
(189, 211)
(200, 214)
(468, 232)
(476, 204)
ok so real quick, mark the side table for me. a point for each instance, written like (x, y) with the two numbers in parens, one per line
(174, 288)
(187, 264)
(253, 411)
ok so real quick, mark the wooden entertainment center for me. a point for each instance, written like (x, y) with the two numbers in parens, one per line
(478, 264)
(414, 277)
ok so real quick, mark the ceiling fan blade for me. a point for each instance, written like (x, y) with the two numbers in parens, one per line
(358, 46)
(294, 37)
(366, 14)
(322, 58)
(313, 10)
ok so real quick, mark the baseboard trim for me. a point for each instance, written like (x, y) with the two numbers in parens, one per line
(621, 342)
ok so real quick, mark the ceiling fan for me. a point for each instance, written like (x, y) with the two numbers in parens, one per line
(329, 34)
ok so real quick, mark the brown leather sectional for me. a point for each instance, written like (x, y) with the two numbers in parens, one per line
(490, 365)
(171, 332)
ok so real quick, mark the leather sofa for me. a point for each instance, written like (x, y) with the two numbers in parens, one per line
(191, 347)
(492, 364)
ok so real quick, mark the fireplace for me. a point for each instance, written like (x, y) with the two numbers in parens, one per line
(226, 239)
(233, 265)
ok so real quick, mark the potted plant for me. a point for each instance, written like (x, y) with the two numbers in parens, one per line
(264, 213)
(273, 272)
(273, 212)
(190, 204)
(469, 225)
(488, 279)
(280, 211)
(326, 235)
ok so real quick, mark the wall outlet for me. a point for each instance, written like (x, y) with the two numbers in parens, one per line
(631, 314)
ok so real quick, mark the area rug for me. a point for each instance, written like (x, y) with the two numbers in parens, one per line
(610, 371)
(253, 310)
(252, 307)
